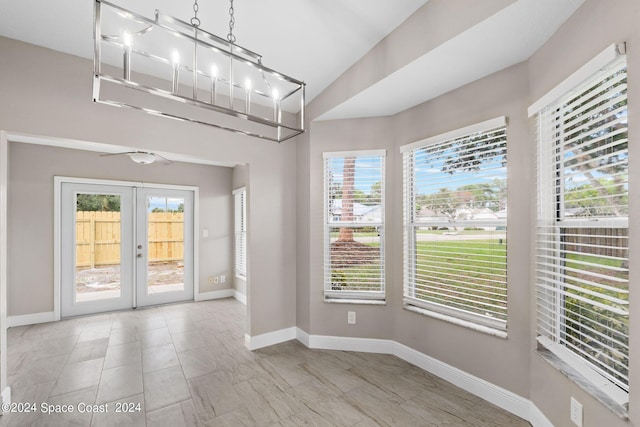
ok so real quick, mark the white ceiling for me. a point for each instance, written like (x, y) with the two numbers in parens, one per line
(510, 36)
(313, 41)
(316, 41)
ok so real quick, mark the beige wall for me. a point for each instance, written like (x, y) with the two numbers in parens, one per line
(331, 318)
(49, 93)
(512, 363)
(496, 359)
(596, 25)
(31, 222)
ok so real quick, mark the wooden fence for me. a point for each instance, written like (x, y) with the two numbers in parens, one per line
(98, 238)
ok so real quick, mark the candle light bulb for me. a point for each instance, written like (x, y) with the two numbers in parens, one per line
(175, 57)
(214, 78)
(126, 58)
(247, 102)
(175, 78)
(126, 39)
(276, 106)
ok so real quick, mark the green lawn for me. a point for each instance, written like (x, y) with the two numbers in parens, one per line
(463, 274)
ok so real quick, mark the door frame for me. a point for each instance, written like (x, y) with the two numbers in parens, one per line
(57, 223)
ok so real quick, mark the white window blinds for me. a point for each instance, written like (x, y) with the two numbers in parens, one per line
(240, 231)
(582, 265)
(455, 218)
(354, 225)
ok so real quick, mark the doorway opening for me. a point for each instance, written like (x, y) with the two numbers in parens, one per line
(124, 246)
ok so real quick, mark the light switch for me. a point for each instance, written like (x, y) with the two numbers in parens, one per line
(205, 232)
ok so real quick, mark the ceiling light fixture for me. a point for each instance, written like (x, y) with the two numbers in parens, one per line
(172, 68)
(141, 157)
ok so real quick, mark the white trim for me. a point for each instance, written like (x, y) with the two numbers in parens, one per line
(6, 396)
(452, 318)
(303, 337)
(204, 296)
(499, 396)
(31, 319)
(57, 218)
(270, 338)
(537, 418)
(139, 184)
(57, 248)
(4, 185)
(601, 60)
(239, 190)
(363, 345)
(356, 153)
(240, 296)
(196, 242)
(457, 133)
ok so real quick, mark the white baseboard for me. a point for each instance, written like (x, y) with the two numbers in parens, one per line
(537, 418)
(303, 337)
(31, 319)
(365, 345)
(6, 396)
(270, 338)
(240, 296)
(499, 396)
(492, 393)
(224, 293)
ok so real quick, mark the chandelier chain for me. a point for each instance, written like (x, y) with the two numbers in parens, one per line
(195, 21)
(232, 23)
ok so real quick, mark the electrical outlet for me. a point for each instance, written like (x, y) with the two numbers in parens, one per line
(210, 279)
(216, 279)
(223, 279)
(351, 317)
(576, 412)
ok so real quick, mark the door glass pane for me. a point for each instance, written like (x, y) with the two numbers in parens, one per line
(165, 235)
(98, 236)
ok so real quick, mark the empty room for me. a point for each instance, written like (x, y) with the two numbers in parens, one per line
(285, 213)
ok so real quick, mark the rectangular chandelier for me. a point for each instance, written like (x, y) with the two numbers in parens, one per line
(171, 68)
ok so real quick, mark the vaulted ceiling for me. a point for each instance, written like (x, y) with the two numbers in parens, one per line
(317, 41)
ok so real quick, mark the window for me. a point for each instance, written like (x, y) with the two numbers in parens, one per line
(455, 221)
(354, 225)
(582, 265)
(240, 228)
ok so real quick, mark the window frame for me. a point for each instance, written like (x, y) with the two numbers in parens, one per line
(376, 297)
(495, 327)
(240, 232)
(551, 215)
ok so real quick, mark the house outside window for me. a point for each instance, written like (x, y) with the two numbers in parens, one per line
(354, 268)
(582, 239)
(455, 226)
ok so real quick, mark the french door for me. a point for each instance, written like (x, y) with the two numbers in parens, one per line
(124, 247)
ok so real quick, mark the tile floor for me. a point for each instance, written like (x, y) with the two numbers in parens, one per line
(186, 365)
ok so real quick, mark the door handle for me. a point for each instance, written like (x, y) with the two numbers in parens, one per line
(139, 255)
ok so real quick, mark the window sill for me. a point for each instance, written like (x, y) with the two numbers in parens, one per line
(576, 375)
(355, 301)
(460, 322)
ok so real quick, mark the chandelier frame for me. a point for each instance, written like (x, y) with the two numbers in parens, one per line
(243, 120)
